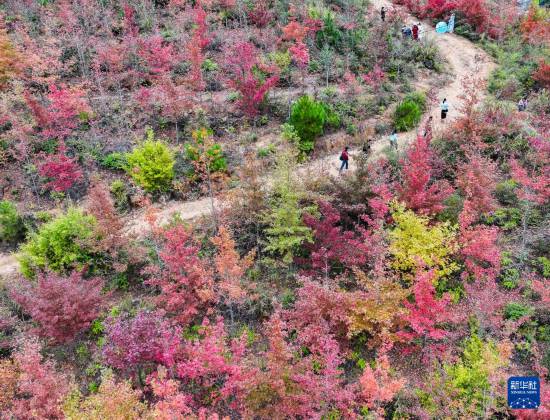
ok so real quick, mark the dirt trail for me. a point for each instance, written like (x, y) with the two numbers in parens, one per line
(8, 266)
(463, 59)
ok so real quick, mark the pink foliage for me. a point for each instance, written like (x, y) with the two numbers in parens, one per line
(146, 338)
(195, 48)
(211, 361)
(419, 191)
(485, 301)
(295, 387)
(332, 245)
(377, 386)
(62, 171)
(478, 13)
(300, 54)
(260, 15)
(427, 312)
(61, 116)
(480, 252)
(40, 388)
(62, 306)
(477, 179)
(240, 62)
(170, 402)
(375, 77)
(320, 309)
(535, 187)
(185, 281)
(157, 55)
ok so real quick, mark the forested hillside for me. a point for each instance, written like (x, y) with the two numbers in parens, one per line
(273, 209)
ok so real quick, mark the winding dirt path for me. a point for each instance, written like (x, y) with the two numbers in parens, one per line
(463, 59)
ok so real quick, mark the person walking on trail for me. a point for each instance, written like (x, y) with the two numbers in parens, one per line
(428, 131)
(451, 24)
(393, 139)
(522, 104)
(366, 149)
(420, 31)
(444, 109)
(415, 32)
(344, 157)
(383, 14)
(406, 31)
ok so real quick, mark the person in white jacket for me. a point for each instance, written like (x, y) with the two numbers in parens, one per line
(420, 31)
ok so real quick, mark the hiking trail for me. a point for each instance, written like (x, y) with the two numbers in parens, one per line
(463, 58)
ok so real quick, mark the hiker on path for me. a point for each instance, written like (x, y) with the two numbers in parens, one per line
(344, 157)
(420, 31)
(451, 24)
(383, 14)
(444, 109)
(428, 131)
(522, 104)
(406, 31)
(393, 139)
(415, 32)
(366, 149)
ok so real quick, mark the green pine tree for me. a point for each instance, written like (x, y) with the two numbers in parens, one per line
(286, 231)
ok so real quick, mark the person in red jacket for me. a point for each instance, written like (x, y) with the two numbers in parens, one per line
(415, 32)
(344, 157)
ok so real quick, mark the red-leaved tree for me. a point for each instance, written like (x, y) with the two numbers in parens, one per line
(147, 338)
(377, 386)
(426, 315)
(242, 63)
(195, 48)
(419, 191)
(332, 247)
(62, 306)
(40, 388)
(62, 115)
(185, 281)
(210, 366)
(61, 171)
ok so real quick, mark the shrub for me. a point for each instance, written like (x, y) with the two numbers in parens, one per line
(505, 192)
(409, 112)
(544, 266)
(151, 164)
(309, 119)
(62, 306)
(120, 195)
(11, 226)
(515, 311)
(59, 245)
(115, 160)
(205, 151)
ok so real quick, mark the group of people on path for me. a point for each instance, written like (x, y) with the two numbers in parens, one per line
(416, 32)
(427, 132)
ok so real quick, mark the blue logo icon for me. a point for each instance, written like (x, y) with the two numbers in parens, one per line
(523, 392)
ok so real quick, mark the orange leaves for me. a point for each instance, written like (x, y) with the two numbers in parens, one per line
(378, 386)
(230, 267)
(8, 59)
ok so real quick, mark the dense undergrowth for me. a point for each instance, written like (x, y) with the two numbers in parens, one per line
(412, 287)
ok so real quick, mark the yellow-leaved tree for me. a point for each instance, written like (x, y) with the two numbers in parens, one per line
(377, 309)
(414, 244)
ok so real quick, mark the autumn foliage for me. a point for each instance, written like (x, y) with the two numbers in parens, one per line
(221, 267)
(62, 306)
(242, 63)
